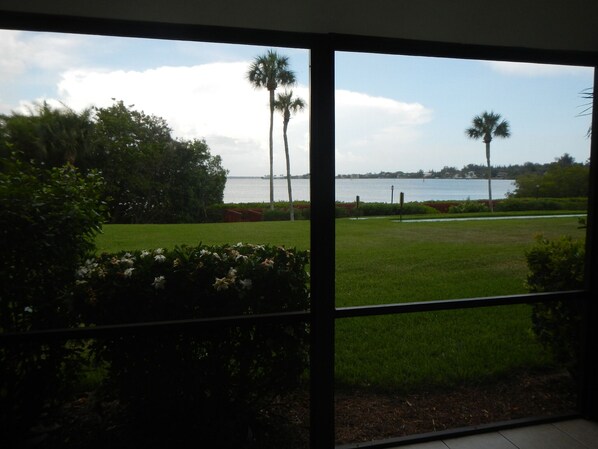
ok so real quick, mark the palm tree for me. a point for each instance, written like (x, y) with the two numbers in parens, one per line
(65, 136)
(55, 136)
(487, 126)
(287, 105)
(587, 94)
(270, 71)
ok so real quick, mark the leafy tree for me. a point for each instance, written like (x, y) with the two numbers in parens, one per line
(287, 105)
(564, 178)
(566, 160)
(150, 176)
(192, 181)
(270, 71)
(128, 145)
(485, 127)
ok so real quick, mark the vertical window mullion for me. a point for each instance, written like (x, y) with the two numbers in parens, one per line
(589, 384)
(322, 243)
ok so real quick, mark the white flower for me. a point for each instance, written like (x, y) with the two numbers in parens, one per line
(268, 263)
(144, 253)
(246, 283)
(82, 272)
(158, 251)
(128, 272)
(126, 261)
(159, 282)
(28, 309)
(220, 284)
(159, 258)
(232, 274)
(204, 252)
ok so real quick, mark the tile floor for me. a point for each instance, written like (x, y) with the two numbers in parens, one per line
(572, 434)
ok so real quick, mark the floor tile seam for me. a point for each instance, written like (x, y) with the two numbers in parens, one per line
(555, 428)
(573, 437)
(508, 439)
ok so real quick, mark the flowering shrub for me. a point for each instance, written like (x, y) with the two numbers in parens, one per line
(190, 282)
(468, 206)
(205, 374)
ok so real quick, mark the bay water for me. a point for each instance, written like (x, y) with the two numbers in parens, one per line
(382, 190)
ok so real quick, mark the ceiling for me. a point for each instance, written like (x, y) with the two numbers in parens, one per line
(533, 24)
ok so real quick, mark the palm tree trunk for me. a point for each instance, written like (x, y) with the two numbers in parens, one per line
(286, 153)
(271, 150)
(489, 177)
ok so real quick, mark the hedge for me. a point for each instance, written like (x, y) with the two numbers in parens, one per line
(220, 376)
(557, 265)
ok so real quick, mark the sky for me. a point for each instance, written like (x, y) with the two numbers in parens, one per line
(393, 113)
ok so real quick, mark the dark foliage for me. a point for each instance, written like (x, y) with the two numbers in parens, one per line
(48, 220)
(213, 380)
(546, 204)
(564, 178)
(557, 266)
(150, 176)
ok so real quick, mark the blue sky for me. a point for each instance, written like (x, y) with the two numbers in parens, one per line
(393, 112)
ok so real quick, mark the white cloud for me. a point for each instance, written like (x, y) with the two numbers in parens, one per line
(372, 132)
(21, 51)
(536, 70)
(215, 102)
(211, 101)
(12, 62)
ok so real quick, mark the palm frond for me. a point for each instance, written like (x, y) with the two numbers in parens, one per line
(486, 125)
(270, 71)
(502, 130)
(587, 94)
(474, 133)
(287, 104)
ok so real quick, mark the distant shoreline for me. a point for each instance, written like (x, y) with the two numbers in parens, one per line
(255, 189)
(365, 177)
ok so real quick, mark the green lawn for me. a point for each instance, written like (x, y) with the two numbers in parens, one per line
(382, 261)
(119, 237)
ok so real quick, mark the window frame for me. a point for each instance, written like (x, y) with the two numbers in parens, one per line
(323, 313)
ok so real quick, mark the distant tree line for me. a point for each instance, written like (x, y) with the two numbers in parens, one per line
(150, 177)
(473, 170)
(563, 178)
